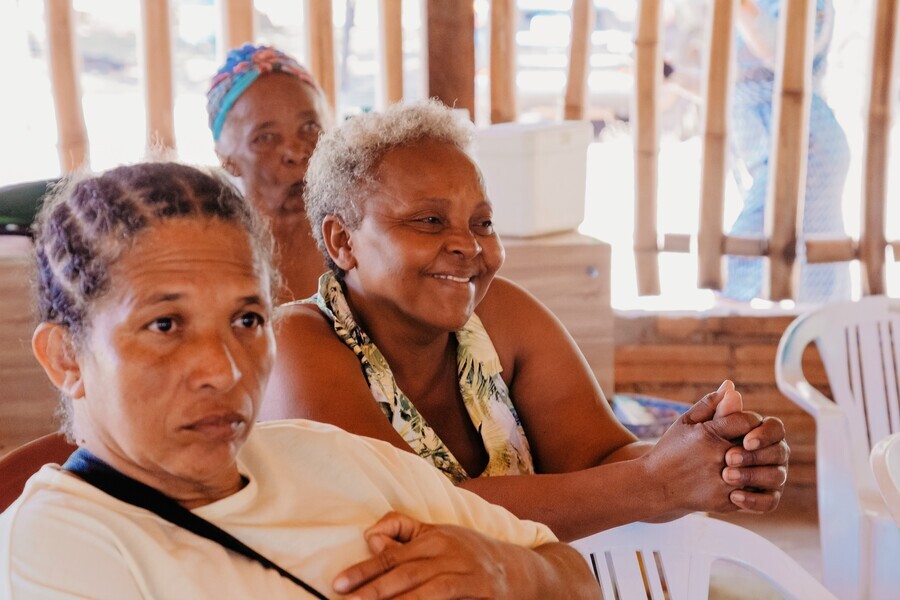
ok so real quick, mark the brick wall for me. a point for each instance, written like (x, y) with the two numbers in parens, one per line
(685, 357)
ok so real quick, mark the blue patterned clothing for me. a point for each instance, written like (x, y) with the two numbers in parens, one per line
(827, 162)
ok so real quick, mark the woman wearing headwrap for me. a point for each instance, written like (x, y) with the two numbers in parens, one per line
(266, 113)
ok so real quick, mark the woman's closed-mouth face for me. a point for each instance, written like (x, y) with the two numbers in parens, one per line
(177, 356)
(426, 247)
(267, 140)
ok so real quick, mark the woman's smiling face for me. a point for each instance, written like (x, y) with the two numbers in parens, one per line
(176, 357)
(425, 249)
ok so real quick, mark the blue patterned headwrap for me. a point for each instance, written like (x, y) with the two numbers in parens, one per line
(242, 67)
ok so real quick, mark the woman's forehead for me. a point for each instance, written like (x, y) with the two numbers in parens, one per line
(208, 249)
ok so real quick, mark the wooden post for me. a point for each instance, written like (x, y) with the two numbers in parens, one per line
(65, 69)
(719, 53)
(784, 203)
(157, 58)
(503, 61)
(237, 24)
(321, 47)
(583, 17)
(648, 78)
(392, 50)
(451, 53)
(878, 129)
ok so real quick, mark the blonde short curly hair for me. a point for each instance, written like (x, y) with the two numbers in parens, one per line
(346, 159)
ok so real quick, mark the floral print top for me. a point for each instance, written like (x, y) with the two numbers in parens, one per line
(484, 392)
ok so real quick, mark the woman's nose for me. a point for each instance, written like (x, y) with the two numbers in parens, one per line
(214, 365)
(297, 151)
(464, 243)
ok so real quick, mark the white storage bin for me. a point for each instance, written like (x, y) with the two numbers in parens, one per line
(535, 174)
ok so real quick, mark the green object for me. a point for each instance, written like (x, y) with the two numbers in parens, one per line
(19, 204)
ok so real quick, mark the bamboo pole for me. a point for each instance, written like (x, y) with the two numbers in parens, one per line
(72, 144)
(784, 205)
(719, 53)
(826, 250)
(583, 17)
(735, 245)
(878, 128)
(503, 61)
(157, 58)
(321, 47)
(392, 51)
(237, 24)
(451, 53)
(648, 79)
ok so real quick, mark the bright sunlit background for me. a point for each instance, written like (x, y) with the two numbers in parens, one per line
(108, 42)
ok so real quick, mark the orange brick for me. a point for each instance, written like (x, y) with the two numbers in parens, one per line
(668, 373)
(673, 354)
(755, 353)
(680, 328)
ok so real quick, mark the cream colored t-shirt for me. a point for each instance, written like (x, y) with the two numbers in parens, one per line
(313, 490)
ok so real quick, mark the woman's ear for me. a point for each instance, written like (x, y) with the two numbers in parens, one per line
(225, 159)
(52, 346)
(338, 243)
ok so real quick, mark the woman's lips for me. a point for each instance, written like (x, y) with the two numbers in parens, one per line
(219, 427)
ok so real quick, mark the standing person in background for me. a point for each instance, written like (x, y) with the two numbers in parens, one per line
(827, 158)
(266, 113)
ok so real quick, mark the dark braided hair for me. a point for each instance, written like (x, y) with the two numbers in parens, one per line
(87, 223)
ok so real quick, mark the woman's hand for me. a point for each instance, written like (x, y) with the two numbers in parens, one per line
(419, 560)
(757, 464)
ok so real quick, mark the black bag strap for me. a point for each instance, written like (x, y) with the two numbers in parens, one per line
(105, 478)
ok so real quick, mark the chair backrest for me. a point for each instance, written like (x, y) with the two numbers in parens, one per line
(674, 560)
(859, 343)
(885, 461)
(23, 462)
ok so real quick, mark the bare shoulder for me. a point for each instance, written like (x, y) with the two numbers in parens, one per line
(515, 319)
(318, 377)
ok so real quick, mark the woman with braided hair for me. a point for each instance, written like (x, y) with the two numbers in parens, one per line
(155, 294)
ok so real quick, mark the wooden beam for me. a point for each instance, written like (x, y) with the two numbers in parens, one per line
(391, 47)
(583, 17)
(237, 24)
(157, 59)
(719, 53)
(320, 32)
(451, 53)
(827, 250)
(648, 80)
(784, 204)
(503, 61)
(735, 245)
(878, 129)
(65, 70)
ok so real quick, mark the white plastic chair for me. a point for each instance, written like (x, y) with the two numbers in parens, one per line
(859, 343)
(885, 461)
(676, 559)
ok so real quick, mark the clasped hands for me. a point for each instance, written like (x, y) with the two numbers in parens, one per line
(718, 457)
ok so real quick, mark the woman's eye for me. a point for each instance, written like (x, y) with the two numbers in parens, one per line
(162, 325)
(250, 320)
(311, 126)
(264, 138)
(485, 227)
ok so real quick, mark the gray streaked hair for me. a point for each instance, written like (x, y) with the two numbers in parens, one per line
(344, 165)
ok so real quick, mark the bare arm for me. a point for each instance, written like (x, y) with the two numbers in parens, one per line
(316, 376)
(583, 452)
